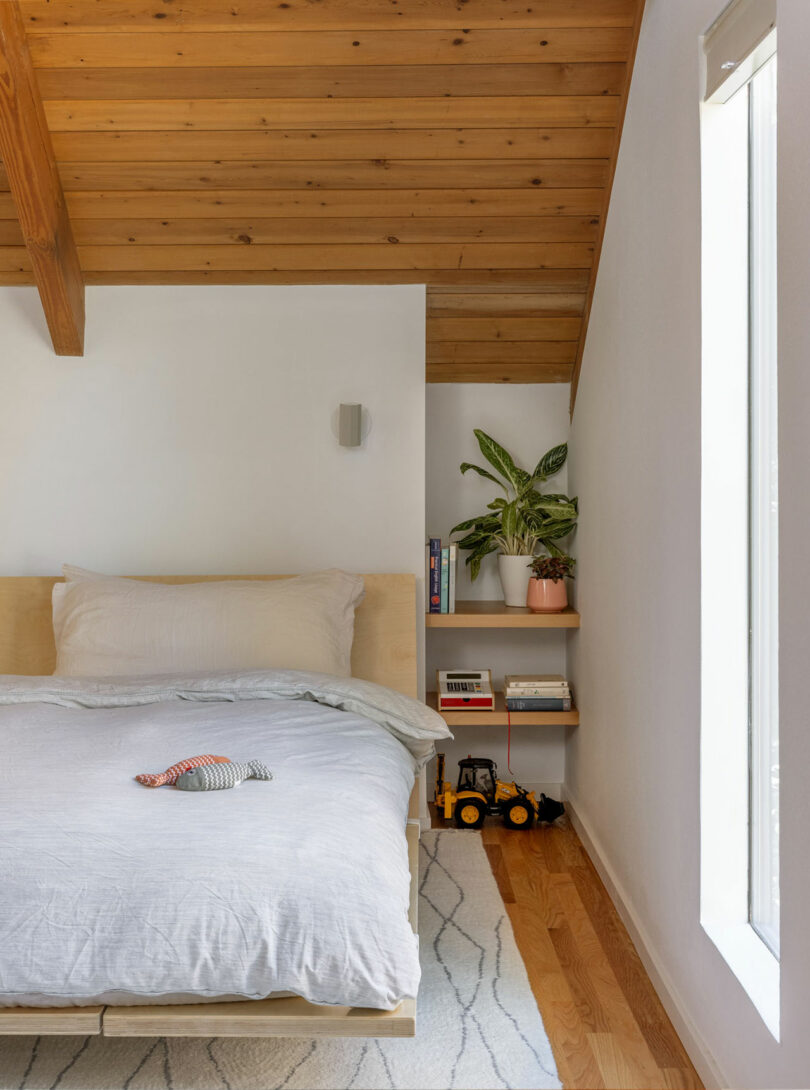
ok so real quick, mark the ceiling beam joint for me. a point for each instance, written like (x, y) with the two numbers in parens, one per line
(28, 158)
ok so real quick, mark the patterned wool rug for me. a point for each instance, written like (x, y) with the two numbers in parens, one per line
(478, 1024)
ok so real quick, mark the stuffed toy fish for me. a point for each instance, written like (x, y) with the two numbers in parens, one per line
(158, 779)
(217, 777)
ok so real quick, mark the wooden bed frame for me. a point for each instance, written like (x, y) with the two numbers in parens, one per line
(384, 651)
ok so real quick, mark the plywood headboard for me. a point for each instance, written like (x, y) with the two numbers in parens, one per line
(384, 637)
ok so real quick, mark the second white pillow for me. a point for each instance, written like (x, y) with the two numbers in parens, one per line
(107, 626)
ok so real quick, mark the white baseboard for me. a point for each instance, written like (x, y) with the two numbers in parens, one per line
(693, 1040)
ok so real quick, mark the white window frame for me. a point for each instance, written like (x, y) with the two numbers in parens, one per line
(731, 341)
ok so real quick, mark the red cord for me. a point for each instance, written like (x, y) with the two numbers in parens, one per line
(509, 742)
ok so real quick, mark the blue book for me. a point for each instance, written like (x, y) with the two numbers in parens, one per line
(435, 575)
(445, 584)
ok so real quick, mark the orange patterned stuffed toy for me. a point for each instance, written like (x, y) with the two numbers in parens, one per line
(158, 779)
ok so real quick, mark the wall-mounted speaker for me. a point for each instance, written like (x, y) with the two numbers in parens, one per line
(350, 425)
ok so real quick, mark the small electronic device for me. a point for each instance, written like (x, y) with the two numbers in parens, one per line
(465, 689)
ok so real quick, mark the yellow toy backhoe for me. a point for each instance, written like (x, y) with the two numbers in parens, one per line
(479, 792)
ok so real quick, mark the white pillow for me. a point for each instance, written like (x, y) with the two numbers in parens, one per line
(106, 626)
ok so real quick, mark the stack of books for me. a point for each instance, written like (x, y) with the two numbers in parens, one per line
(440, 576)
(537, 693)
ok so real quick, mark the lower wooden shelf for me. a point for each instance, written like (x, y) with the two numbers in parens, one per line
(479, 718)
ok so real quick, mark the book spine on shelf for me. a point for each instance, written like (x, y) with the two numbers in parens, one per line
(445, 585)
(517, 691)
(538, 704)
(435, 547)
(427, 577)
(453, 566)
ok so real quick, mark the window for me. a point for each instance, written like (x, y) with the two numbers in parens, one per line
(739, 503)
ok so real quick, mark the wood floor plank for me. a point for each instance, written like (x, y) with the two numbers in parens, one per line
(615, 1067)
(678, 1078)
(626, 964)
(575, 1061)
(620, 1019)
(589, 983)
(579, 980)
(531, 882)
(501, 873)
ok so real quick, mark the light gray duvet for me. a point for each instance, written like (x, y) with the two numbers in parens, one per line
(111, 892)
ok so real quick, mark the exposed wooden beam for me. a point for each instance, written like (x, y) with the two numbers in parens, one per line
(25, 147)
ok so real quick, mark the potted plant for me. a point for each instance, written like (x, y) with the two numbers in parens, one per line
(519, 522)
(547, 592)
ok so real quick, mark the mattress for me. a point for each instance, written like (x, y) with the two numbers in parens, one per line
(112, 892)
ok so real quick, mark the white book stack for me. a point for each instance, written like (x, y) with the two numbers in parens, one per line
(537, 692)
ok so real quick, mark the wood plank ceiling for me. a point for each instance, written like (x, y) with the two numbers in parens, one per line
(465, 144)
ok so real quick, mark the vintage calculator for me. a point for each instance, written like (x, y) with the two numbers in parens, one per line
(465, 689)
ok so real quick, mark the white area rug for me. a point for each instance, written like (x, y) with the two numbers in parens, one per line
(478, 1024)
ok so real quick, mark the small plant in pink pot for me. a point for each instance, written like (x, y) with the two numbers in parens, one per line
(547, 591)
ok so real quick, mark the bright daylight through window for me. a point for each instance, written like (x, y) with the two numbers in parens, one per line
(739, 517)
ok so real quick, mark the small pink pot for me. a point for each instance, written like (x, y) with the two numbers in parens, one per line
(546, 595)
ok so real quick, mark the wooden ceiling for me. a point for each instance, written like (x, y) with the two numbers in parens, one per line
(466, 144)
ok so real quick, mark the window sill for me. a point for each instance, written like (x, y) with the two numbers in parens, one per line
(752, 963)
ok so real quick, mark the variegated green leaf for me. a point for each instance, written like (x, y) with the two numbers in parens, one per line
(481, 473)
(475, 558)
(552, 549)
(551, 462)
(557, 511)
(474, 539)
(478, 520)
(498, 458)
(509, 519)
(550, 531)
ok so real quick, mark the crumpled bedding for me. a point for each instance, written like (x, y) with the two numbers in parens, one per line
(111, 892)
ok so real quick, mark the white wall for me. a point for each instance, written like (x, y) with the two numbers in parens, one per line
(195, 435)
(527, 420)
(633, 768)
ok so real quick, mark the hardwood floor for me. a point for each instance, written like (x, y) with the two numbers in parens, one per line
(605, 1022)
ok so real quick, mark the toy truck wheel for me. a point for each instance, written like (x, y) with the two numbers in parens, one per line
(518, 814)
(470, 813)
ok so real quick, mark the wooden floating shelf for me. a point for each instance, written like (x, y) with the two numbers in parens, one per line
(484, 614)
(480, 718)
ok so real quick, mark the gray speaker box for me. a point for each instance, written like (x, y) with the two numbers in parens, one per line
(350, 425)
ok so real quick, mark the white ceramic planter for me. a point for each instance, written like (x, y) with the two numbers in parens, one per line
(515, 574)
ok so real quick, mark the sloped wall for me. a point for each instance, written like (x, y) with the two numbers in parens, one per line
(633, 766)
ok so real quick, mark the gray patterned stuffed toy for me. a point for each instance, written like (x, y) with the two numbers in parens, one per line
(219, 776)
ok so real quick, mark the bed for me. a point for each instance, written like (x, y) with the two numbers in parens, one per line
(344, 754)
